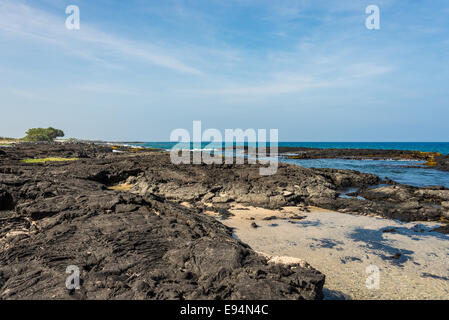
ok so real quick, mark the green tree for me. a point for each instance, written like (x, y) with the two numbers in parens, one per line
(41, 134)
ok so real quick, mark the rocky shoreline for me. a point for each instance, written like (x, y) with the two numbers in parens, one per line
(135, 225)
(432, 160)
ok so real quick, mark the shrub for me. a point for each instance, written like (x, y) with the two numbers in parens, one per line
(41, 134)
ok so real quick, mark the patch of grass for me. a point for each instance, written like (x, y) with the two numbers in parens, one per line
(444, 220)
(44, 160)
(121, 187)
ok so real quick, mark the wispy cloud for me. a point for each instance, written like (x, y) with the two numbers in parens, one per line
(107, 89)
(20, 20)
(227, 68)
(289, 83)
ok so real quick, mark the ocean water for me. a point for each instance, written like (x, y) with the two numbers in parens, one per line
(399, 171)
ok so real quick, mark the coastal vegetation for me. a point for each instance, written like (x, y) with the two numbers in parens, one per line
(35, 135)
(121, 187)
(431, 161)
(44, 160)
(41, 134)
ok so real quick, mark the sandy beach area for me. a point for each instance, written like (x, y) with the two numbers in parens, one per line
(413, 262)
(6, 142)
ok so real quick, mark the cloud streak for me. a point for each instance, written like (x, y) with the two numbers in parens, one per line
(20, 20)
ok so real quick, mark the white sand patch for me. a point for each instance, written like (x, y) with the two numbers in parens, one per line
(342, 246)
(286, 261)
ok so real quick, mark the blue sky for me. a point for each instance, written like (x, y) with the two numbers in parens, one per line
(138, 69)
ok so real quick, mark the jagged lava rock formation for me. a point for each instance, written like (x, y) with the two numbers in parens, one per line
(127, 246)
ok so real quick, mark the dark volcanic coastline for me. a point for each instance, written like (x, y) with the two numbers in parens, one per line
(134, 223)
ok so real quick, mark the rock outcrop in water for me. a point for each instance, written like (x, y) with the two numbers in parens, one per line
(432, 160)
(148, 238)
